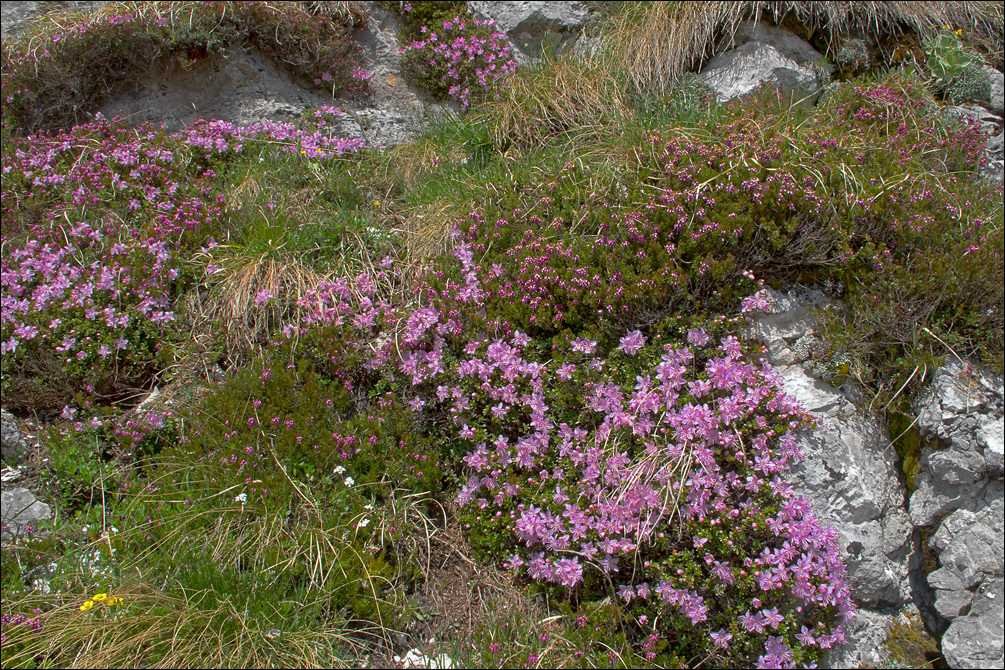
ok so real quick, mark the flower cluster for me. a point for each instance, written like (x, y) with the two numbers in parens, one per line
(18, 620)
(320, 142)
(652, 487)
(100, 599)
(460, 57)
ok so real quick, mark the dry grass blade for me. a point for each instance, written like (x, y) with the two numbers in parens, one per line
(568, 95)
(237, 304)
(432, 229)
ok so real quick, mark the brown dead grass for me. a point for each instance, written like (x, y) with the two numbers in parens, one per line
(231, 307)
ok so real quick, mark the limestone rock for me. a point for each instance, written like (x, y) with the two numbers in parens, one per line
(994, 151)
(786, 43)
(991, 438)
(997, 103)
(19, 509)
(395, 110)
(962, 413)
(767, 55)
(961, 492)
(534, 27)
(849, 473)
(970, 552)
(865, 646)
(12, 445)
(588, 47)
(976, 640)
(243, 88)
(985, 120)
(788, 322)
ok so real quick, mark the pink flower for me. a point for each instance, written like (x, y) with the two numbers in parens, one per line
(632, 342)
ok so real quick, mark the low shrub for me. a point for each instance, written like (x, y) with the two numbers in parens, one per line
(971, 85)
(106, 223)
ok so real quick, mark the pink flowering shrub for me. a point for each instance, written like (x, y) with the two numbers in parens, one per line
(19, 626)
(652, 468)
(94, 219)
(101, 223)
(459, 57)
(72, 65)
(223, 139)
(666, 485)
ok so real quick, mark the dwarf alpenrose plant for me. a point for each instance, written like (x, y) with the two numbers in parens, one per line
(102, 220)
(649, 471)
(459, 58)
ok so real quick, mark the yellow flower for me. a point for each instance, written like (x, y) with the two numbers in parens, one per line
(113, 601)
(376, 203)
(86, 606)
(959, 32)
(98, 597)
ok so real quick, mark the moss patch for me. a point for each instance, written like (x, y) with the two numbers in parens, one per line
(910, 645)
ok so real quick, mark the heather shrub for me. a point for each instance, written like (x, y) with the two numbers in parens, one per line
(633, 497)
(63, 68)
(313, 428)
(749, 194)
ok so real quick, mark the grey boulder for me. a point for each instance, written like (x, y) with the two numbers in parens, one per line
(976, 640)
(766, 55)
(849, 475)
(997, 102)
(12, 446)
(961, 416)
(533, 27)
(19, 510)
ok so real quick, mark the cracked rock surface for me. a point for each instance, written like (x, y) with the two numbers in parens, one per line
(850, 477)
(960, 495)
